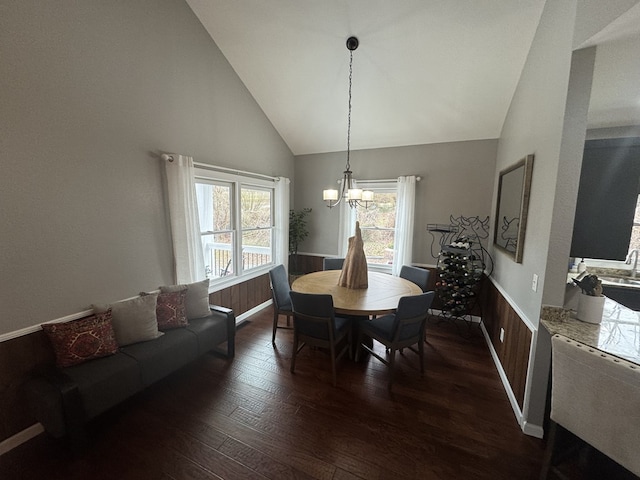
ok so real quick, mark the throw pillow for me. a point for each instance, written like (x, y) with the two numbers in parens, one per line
(133, 320)
(197, 298)
(80, 340)
(171, 309)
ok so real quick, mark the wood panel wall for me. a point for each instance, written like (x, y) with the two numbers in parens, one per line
(513, 352)
(22, 357)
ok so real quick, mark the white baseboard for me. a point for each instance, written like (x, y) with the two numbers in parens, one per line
(20, 438)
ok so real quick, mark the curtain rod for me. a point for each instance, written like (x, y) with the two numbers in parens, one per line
(167, 157)
(384, 180)
(206, 166)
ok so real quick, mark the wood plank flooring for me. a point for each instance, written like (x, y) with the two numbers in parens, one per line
(250, 418)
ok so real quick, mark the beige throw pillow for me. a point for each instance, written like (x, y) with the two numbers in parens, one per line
(133, 320)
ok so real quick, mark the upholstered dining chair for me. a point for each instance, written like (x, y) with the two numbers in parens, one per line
(419, 276)
(315, 324)
(332, 263)
(280, 289)
(396, 331)
(596, 397)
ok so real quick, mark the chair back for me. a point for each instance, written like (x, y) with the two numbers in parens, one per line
(419, 276)
(410, 316)
(332, 263)
(280, 287)
(597, 398)
(313, 315)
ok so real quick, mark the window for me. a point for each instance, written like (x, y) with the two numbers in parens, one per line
(378, 224)
(237, 224)
(387, 225)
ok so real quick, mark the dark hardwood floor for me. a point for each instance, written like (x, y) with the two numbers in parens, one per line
(251, 418)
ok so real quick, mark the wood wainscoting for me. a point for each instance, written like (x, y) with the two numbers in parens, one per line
(513, 351)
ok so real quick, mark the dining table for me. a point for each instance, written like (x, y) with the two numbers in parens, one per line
(381, 296)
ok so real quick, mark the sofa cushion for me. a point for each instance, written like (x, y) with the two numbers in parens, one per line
(83, 339)
(210, 331)
(197, 301)
(105, 382)
(164, 355)
(134, 320)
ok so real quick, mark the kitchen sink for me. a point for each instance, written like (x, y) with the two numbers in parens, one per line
(621, 280)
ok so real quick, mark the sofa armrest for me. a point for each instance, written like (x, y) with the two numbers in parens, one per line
(231, 328)
(55, 401)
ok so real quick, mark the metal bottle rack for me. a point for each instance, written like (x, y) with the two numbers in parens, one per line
(460, 268)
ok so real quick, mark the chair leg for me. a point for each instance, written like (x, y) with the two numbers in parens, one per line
(333, 364)
(421, 355)
(275, 326)
(548, 452)
(295, 352)
(392, 363)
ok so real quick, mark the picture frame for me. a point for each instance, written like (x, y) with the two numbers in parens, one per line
(512, 206)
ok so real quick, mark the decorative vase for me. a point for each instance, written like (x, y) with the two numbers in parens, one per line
(590, 308)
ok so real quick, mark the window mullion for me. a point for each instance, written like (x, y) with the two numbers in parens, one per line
(237, 214)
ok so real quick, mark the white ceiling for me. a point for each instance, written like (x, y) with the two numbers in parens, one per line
(426, 71)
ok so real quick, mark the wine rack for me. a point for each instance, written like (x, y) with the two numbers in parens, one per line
(460, 269)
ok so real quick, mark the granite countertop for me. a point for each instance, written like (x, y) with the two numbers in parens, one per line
(618, 334)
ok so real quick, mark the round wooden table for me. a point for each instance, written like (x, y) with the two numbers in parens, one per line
(380, 298)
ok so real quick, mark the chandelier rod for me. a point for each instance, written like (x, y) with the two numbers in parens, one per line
(349, 116)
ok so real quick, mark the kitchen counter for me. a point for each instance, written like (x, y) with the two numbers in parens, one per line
(618, 334)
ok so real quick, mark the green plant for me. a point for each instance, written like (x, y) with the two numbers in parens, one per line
(297, 231)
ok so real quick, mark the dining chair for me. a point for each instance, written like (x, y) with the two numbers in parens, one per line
(596, 397)
(332, 263)
(280, 290)
(419, 276)
(396, 331)
(315, 324)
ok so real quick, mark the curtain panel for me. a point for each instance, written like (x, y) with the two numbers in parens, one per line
(184, 221)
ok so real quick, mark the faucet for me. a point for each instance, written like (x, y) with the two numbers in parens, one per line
(633, 253)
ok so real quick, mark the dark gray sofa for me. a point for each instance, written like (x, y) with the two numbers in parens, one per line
(63, 400)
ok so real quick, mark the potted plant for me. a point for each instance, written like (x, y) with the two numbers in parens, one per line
(297, 233)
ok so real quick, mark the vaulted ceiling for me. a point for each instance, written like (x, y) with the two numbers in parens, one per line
(426, 71)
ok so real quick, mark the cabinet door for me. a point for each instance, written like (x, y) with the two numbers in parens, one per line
(607, 197)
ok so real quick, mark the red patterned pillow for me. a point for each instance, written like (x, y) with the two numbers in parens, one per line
(171, 310)
(84, 339)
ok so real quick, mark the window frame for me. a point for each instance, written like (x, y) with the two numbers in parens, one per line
(238, 181)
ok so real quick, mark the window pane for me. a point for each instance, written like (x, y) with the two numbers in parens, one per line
(218, 254)
(378, 246)
(378, 224)
(256, 248)
(214, 206)
(255, 208)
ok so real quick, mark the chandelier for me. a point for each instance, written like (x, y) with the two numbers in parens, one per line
(348, 190)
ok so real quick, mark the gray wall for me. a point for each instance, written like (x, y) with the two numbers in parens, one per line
(547, 117)
(457, 179)
(91, 91)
